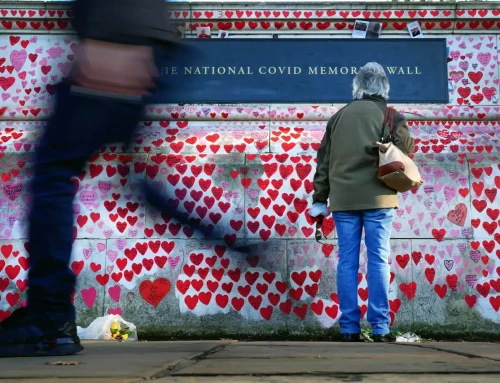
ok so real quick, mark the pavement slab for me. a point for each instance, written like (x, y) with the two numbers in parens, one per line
(392, 378)
(333, 358)
(74, 380)
(109, 360)
(480, 350)
(259, 362)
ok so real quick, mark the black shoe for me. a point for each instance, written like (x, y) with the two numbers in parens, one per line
(22, 335)
(387, 338)
(353, 337)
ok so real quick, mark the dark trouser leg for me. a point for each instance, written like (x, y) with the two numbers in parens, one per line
(80, 126)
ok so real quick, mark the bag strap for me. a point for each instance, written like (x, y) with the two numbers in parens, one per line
(389, 118)
(393, 115)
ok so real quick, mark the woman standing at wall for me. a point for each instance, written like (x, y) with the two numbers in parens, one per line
(347, 175)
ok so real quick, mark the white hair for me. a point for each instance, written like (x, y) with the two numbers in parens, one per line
(371, 80)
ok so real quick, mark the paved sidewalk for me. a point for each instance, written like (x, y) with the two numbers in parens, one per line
(273, 362)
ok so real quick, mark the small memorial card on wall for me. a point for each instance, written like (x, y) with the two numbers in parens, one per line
(203, 32)
(374, 30)
(415, 30)
(360, 29)
(223, 34)
(366, 30)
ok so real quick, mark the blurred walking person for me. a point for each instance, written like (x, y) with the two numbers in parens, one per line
(100, 103)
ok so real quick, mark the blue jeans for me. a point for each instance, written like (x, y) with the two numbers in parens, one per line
(378, 226)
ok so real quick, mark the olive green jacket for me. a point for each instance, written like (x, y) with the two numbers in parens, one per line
(347, 162)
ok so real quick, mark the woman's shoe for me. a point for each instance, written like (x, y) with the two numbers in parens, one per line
(353, 337)
(386, 338)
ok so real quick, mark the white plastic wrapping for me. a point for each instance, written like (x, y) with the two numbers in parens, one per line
(408, 337)
(101, 329)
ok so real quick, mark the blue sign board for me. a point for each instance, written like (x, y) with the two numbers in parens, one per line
(236, 70)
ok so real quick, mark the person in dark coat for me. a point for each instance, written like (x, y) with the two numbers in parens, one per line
(99, 103)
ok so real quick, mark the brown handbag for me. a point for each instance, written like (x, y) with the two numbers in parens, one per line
(396, 169)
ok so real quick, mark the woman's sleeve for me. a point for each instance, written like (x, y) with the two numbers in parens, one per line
(321, 181)
(402, 138)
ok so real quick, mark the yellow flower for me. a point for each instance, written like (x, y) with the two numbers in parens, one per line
(125, 336)
(115, 326)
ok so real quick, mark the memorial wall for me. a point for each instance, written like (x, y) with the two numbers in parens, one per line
(232, 140)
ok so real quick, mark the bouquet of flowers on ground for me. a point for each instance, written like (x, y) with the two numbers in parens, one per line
(119, 333)
(109, 327)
